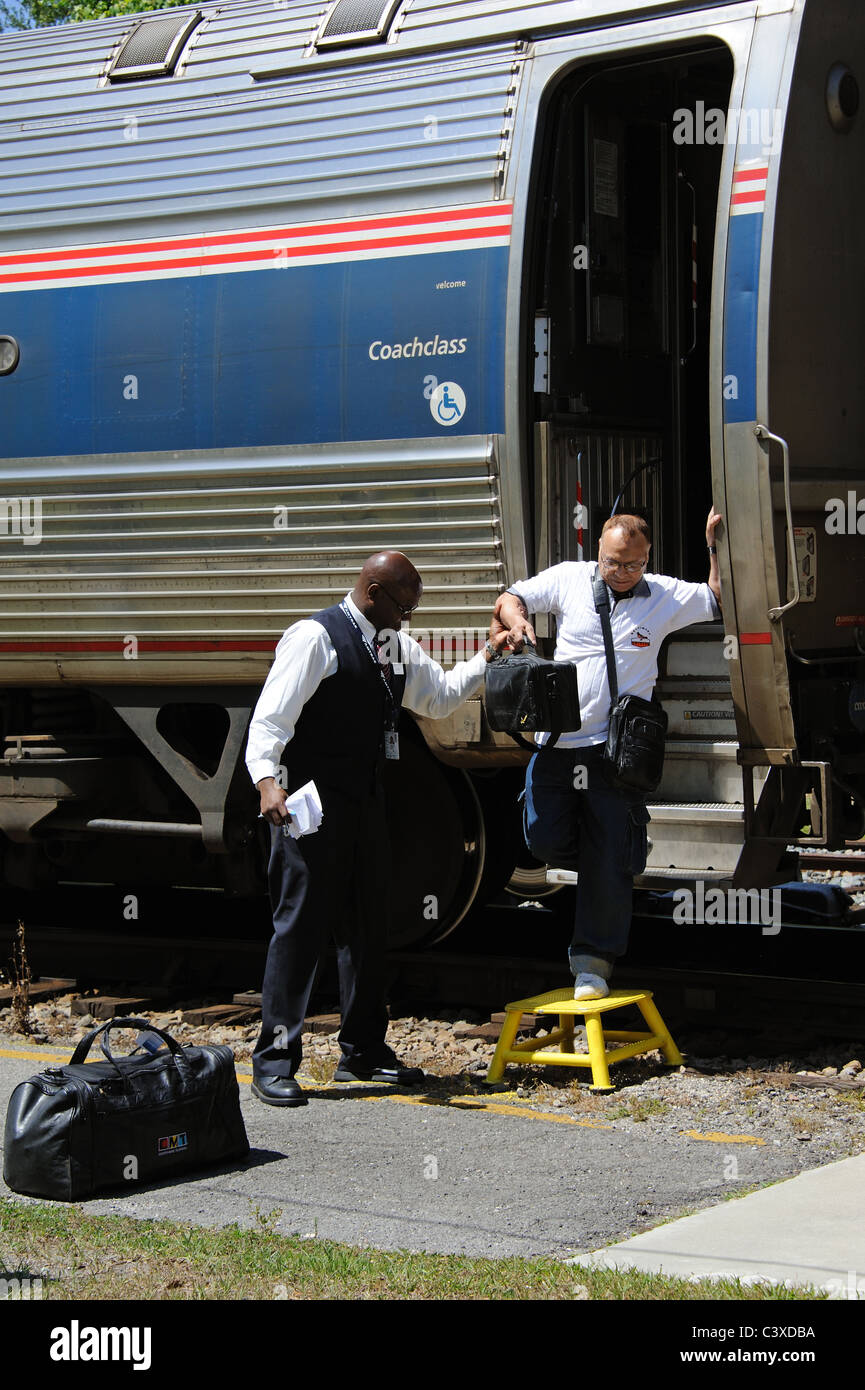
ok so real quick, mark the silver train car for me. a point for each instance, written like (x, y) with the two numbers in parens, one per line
(282, 284)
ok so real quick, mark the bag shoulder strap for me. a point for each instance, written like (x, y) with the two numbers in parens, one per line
(602, 607)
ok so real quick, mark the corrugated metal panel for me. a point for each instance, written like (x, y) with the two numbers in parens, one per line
(428, 18)
(207, 144)
(241, 548)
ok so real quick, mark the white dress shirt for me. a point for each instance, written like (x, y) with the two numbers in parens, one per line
(306, 656)
(639, 624)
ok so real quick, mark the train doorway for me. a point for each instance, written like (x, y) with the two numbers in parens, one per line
(618, 304)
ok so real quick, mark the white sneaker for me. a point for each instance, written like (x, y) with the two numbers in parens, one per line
(590, 986)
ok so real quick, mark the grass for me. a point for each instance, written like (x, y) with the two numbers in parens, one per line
(82, 1257)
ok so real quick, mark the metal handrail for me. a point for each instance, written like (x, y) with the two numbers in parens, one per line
(775, 613)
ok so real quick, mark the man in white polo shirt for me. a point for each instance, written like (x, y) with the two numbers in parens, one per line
(573, 816)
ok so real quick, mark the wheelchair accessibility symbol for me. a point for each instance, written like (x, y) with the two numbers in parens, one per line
(447, 403)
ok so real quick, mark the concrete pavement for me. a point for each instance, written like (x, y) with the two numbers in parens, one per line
(807, 1230)
(491, 1175)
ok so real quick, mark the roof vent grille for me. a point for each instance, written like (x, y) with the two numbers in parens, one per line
(357, 21)
(153, 48)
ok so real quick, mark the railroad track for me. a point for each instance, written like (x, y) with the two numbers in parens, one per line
(187, 945)
(758, 1000)
(842, 860)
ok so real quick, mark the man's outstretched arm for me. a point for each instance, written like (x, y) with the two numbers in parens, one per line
(511, 615)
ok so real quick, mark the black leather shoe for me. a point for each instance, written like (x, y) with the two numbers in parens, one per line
(381, 1076)
(277, 1090)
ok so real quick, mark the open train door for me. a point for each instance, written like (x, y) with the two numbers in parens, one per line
(787, 426)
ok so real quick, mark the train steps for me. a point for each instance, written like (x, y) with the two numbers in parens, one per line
(698, 816)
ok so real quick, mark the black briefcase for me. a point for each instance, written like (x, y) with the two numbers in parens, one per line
(523, 693)
(76, 1130)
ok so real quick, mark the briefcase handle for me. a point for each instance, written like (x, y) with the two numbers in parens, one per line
(174, 1047)
(529, 649)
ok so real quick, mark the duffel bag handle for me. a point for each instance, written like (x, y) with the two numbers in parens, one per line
(81, 1051)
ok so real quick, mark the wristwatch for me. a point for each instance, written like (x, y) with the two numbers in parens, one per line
(712, 549)
(492, 654)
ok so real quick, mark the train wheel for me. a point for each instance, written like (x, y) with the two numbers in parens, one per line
(438, 846)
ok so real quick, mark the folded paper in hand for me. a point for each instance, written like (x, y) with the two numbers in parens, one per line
(306, 813)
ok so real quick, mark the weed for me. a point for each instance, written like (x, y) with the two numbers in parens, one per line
(641, 1108)
(266, 1220)
(584, 1100)
(19, 974)
(320, 1069)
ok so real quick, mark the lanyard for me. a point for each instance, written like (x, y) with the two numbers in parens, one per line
(392, 723)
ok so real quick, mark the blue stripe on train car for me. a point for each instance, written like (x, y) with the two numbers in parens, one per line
(314, 354)
(740, 318)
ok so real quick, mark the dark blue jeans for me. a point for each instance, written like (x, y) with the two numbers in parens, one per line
(574, 818)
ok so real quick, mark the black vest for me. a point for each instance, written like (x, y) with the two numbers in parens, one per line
(339, 737)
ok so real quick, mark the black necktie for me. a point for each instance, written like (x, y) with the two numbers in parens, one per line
(386, 666)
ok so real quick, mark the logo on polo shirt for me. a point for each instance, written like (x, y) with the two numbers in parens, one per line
(641, 637)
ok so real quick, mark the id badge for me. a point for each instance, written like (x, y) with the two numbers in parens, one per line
(391, 745)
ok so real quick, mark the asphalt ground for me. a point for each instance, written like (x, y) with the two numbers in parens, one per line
(472, 1174)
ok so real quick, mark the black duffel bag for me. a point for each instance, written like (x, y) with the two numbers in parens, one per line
(524, 694)
(76, 1130)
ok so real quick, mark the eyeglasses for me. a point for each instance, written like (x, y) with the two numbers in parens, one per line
(633, 567)
(405, 612)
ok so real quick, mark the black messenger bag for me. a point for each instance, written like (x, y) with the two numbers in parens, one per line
(73, 1131)
(634, 752)
(524, 694)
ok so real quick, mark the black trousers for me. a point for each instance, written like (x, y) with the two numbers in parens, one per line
(333, 884)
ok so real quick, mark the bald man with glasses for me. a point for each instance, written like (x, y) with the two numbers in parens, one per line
(573, 816)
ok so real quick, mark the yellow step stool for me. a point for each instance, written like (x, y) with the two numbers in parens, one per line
(563, 1003)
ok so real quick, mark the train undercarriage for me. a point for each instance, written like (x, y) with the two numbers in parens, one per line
(620, 338)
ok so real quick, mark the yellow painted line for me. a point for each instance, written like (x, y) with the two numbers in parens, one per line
(714, 1136)
(35, 1056)
(505, 1106)
(493, 1107)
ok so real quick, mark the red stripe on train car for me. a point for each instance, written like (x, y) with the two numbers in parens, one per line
(206, 240)
(275, 255)
(117, 644)
(755, 639)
